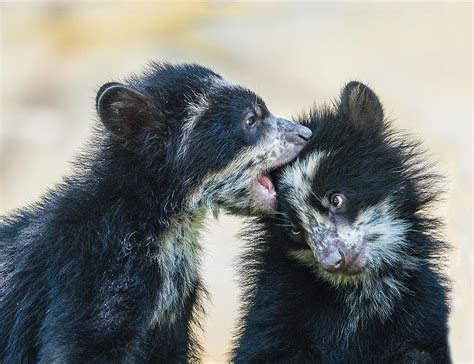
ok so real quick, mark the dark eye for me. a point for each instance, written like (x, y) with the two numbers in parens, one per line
(296, 235)
(250, 121)
(295, 231)
(337, 200)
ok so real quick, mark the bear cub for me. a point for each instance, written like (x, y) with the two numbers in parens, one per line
(350, 269)
(105, 267)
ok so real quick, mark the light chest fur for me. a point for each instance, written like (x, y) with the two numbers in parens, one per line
(179, 261)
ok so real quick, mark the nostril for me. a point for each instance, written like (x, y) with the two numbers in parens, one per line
(334, 261)
(304, 137)
(340, 262)
(300, 137)
(305, 133)
(337, 264)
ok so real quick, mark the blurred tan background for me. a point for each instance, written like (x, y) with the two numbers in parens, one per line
(417, 57)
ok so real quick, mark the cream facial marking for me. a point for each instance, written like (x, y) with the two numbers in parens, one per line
(240, 181)
(377, 227)
(194, 110)
(296, 175)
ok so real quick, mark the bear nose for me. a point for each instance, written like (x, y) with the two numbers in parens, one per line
(300, 135)
(333, 262)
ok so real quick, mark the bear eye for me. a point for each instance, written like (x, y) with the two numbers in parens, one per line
(296, 235)
(295, 231)
(250, 121)
(337, 200)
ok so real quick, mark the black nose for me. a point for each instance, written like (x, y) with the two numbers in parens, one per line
(334, 261)
(300, 135)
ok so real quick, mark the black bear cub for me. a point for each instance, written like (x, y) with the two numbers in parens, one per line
(105, 268)
(350, 269)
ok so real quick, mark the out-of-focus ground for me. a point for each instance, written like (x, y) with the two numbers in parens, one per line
(417, 57)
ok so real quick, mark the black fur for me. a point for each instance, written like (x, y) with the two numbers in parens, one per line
(393, 311)
(105, 268)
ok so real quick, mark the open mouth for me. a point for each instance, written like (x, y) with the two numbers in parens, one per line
(265, 193)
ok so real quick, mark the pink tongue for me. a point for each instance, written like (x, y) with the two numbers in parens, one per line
(266, 182)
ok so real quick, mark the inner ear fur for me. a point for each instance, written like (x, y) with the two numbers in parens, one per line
(361, 106)
(123, 110)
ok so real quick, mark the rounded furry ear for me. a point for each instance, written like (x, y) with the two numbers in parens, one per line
(123, 110)
(361, 105)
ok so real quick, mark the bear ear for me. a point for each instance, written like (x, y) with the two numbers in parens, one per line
(361, 106)
(123, 110)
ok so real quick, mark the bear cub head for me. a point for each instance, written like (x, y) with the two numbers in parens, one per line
(213, 139)
(354, 202)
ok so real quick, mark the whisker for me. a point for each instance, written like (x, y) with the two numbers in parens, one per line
(316, 196)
